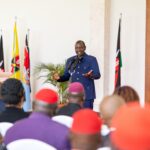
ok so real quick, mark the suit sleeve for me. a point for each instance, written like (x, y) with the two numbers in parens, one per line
(96, 72)
(66, 75)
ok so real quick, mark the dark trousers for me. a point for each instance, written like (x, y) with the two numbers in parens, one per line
(88, 103)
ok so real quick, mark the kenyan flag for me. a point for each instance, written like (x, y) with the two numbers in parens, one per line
(118, 60)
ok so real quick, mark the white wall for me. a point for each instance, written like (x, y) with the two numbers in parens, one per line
(55, 25)
(132, 43)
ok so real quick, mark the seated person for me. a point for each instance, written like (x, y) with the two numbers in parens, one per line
(132, 124)
(76, 97)
(127, 93)
(2, 104)
(108, 108)
(39, 124)
(12, 93)
(85, 130)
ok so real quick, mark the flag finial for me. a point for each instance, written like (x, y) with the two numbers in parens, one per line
(16, 18)
(120, 15)
(1, 31)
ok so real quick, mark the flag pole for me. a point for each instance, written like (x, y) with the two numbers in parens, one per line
(1, 32)
(28, 33)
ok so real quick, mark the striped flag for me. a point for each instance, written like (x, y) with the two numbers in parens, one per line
(118, 59)
(15, 63)
(26, 76)
(2, 68)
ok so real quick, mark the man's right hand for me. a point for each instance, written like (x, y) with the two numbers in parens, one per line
(56, 76)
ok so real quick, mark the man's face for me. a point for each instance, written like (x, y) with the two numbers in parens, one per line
(79, 49)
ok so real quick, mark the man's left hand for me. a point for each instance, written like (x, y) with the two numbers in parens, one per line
(88, 74)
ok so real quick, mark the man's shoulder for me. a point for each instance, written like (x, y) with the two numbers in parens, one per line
(90, 57)
(71, 58)
(62, 110)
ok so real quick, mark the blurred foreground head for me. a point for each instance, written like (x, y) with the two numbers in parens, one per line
(109, 106)
(132, 124)
(85, 130)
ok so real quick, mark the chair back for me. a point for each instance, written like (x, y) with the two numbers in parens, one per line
(4, 126)
(29, 144)
(104, 148)
(65, 120)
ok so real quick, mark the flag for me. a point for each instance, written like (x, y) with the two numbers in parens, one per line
(26, 76)
(1, 55)
(15, 63)
(118, 60)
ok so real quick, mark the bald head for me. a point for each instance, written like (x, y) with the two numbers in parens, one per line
(109, 106)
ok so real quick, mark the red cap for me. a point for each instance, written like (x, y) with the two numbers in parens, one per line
(86, 121)
(47, 95)
(132, 124)
(75, 88)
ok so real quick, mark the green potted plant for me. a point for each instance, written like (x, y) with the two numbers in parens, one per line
(46, 71)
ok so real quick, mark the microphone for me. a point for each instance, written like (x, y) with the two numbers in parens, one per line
(75, 63)
(70, 65)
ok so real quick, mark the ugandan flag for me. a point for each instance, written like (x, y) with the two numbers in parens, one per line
(15, 63)
(118, 60)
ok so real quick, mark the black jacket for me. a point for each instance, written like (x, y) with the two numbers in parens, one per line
(69, 109)
(12, 114)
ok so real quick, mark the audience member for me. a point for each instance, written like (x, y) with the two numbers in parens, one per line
(132, 124)
(76, 97)
(12, 93)
(85, 130)
(2, 104)
(128, 93)
(108, 108)
(39, 125)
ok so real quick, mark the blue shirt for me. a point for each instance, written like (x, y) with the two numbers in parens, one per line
(76, 68)
(40, 127)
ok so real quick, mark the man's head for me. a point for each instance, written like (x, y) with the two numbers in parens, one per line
(76, 93)
(109, 106)
(132, 124)
(12, 92)
(80, 48)
(45, 101)
(85, 130)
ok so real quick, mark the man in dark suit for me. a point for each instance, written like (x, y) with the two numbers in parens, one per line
(76, 96)
(82, 68)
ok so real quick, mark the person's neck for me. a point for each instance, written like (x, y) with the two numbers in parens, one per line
(80, 56)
